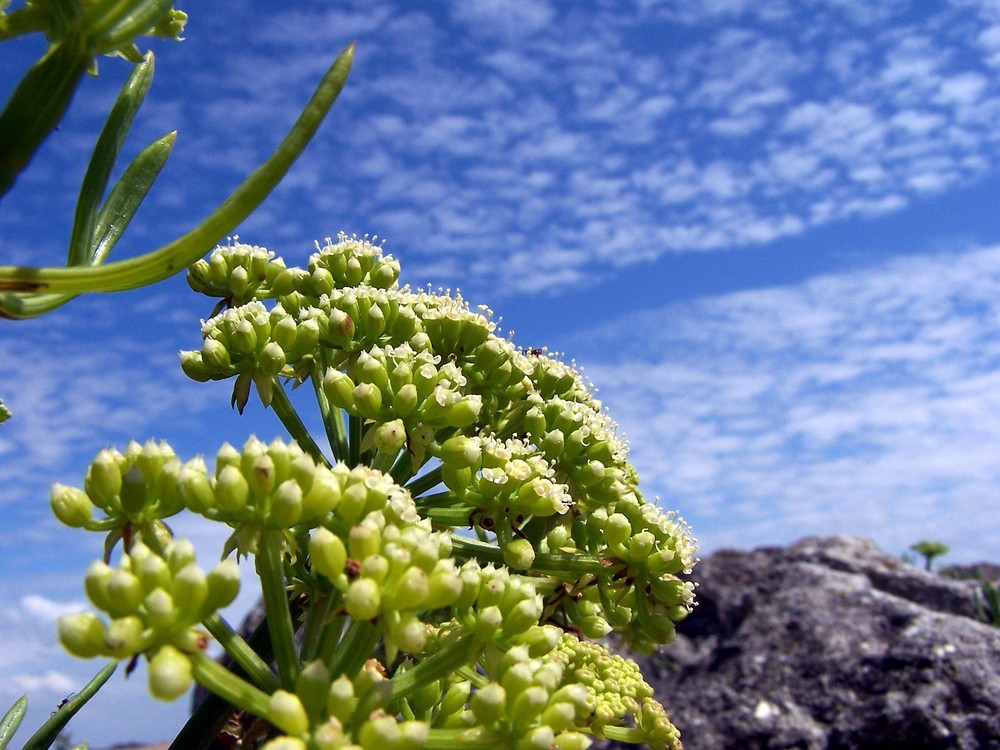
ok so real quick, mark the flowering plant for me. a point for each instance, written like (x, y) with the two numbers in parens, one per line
(436, 578)
(440, 574)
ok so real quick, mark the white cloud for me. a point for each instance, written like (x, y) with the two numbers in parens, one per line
(42, 608)
(864, 403)
(49, 682)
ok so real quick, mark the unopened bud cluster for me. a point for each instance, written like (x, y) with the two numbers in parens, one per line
(476, 502)
(153, 603)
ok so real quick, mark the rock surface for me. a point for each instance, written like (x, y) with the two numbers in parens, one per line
(830, 644)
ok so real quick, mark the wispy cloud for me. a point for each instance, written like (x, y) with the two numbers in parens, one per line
(865, 403)
(658, 130)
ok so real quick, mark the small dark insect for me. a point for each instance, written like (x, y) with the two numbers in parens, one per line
(64, 701)
(535, 351)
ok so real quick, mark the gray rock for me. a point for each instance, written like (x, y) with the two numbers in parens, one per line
(830, 644)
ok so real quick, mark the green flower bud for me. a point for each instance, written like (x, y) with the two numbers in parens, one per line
(572, 741)
(364, 540)
(456, 480)
(190, 588)
(375, 567)
(539, 738)
(367, 400)
(180, 553)
(363, 599)
(461, 452)
(169, 674)
(519, 554)
(617, 529)
(134, 492)
(195, 488)
(329, 735)
(243, 337)
(283, 332)
(285, 743)
(239, 281)
(104, 480)
(271, 360)
(380, 733)
(125, 592)
(522, 616)
(215, 357)
(341, 328)
(323, 495)
(286, 712)
(313, 688)
(341, 700)
(488, 622)
(223, 585)
(262, 475)
(488, 704)
(160, 611)
(405, 400)
(153, 573)
(124, 637)
(640, 545)
(95, 583)
(371, 370)
(559, 716)
(231, 489)
(410, 591)
(286, 505)
(199, 275)
(82, 634)
(71, 506)
(327, 553)
(390, 437)
(443, 588)
(193, 365)
(339, 389)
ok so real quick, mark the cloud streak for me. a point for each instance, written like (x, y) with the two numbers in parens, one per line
(864, 402)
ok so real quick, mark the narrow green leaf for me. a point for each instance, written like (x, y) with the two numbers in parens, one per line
(182, 252)
(114, 217)
(124, 199)
(12, 720)
(106, 151)
(37, 105)
(47, 733)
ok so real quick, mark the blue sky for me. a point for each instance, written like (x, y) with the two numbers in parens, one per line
(767, 232)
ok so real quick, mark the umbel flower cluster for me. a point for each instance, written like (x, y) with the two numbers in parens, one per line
(439, 576)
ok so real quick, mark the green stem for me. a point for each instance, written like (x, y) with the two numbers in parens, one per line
(232, 689)
(355, 648)
(285, 411)
(354, 426)
(321, 605)
(270, 568)
(402, 471)
(447, 517)
(446, 499)
(255, 667)
(329, 639)
(333, 419)
(623, 734)
(451, 739)
(558, 564)
(171, 258)
(384, 460)
(425, 482)
(207, 720)
(449, 659)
